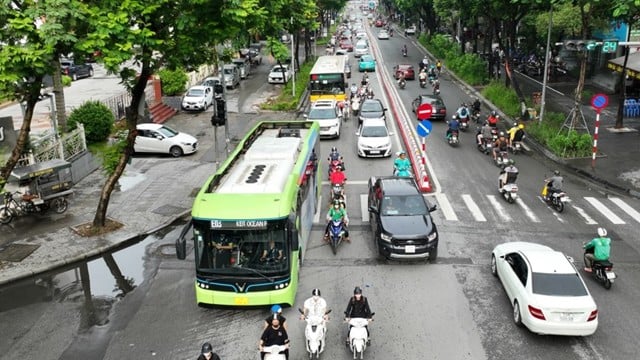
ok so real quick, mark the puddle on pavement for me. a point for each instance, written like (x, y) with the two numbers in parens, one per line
(130, 179)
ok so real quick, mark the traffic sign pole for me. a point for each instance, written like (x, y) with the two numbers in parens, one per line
(595, 140)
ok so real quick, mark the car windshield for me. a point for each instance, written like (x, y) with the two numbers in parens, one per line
(65, 63)
(322, 113)
(374, 131)
(408, 205)
(432, 101)
(195, 92)
(558, 284)
(367, 58)
(361, 46)
(228, 71)
(371, 106)
(277, 69)
(167, 132)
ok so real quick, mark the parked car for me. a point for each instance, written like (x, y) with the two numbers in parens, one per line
(362, 48)
(408, 70)
(383, 35)
(411, 30)
(439, 109)
(279, 74)
(255, 53)
(198, 97)
(374, 139)
(243, 65)
(328, 116)
(400, 219)
(216, 84)
(546, 291)
(367, 63)
(75, 70)
(158, 138)
(371, 109)
(231, 76)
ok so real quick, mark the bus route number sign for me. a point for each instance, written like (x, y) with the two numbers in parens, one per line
(239, 224)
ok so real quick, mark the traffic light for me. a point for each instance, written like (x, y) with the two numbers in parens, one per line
(580, 45)
(219, 117)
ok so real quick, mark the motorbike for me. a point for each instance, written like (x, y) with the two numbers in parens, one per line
(507, 186)
(315, 333)
(423, 82)
(516, 147)
(273, 352)
(602, 271)
(464, 123)
(486, 145)
(355, 105)
(333, 164)
(404, 52)
(556, 199)
(337, 191)
(336, 234)
(453, 138)
(402, 83)
(475, 115)
(358, 337)
(502, 159)
(403, 172)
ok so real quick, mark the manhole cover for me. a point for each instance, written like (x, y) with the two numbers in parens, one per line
(17, 252)
(168, 210)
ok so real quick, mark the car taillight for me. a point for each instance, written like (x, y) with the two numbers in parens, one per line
(536, 313)
(593, 315)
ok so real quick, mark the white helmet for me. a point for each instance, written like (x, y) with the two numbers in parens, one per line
(602, 232)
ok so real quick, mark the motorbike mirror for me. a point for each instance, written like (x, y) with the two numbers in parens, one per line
(373, 209)
(372, 314)
(327, 312)
(301, 312)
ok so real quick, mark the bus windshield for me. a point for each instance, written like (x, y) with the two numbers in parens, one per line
(328, 87)
(234, 249)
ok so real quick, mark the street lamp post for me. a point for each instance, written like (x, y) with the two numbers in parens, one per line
(293, 67)
(546, 65)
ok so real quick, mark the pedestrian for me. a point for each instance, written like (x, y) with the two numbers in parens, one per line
(207, 353)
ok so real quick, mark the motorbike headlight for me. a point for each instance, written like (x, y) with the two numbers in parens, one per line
(385, 237)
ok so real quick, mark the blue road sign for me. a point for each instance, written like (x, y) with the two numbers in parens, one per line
(424, 128)
(599, 101)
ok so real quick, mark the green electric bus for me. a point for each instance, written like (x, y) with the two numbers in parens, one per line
(252, 219)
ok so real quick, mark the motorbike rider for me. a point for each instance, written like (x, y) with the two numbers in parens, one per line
(516, 134)
(500, 145)
(404, 50)
(432, 73)
(338, 176)
(315, 306)
(274, 334)
(401, 163)
(422, 76)
(401, 77)
(207, 353)
(358, 307)
(598, 249)
(436, 86)
(334, 155)
(277, 311)
(424, 63)
(438, 66)
(463, 112)
(336, 213)
(509, 174)
(493, 118)
(484, 134)
(365, 79)
(453, 126)
(553, 184)
(353, 90)
(475, 106)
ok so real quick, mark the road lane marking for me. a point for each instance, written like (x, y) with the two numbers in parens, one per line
(475, 210)
(605, 211)
(364, 207)
(445, 207)
(587, 219)
(627, 208)
(499, 208)
(530, 214)
(316, 217)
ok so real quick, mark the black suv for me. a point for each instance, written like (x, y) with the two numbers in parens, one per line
(75, 70)
(400, 219)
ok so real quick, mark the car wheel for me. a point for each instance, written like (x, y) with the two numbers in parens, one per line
(175, 151)
(494, 268)
(91, 73)
(433, 255)
(74, 77)
(517, 316)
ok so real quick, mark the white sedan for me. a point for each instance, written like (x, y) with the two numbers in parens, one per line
(547, 293)
(156, 138)
(383, 35)
(279, 74)
(198, 97)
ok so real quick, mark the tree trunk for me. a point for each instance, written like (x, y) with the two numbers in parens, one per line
(31, 98)
(121, 281)
(623, 92)
(578, 94)
(132, 116)
(58, 91)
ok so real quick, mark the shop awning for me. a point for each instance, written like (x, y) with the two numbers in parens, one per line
(633, 65)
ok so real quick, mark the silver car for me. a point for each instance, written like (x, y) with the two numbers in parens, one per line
(231, 76)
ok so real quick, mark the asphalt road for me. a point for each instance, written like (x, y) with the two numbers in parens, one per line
(453, 309)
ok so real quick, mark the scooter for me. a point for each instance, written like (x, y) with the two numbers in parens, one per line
(464, 123)
(315, 333)
(358, 337)
(337, 191)
(453, 139)
(333, 164)
(516, 147)
(556, 199)
(402, 172)
(336, 234)
(502, 159)
(507, 186)
(404, 52)
(402, 83)
(355, 105)
(423, 82)
(273, 352)
(602, 271)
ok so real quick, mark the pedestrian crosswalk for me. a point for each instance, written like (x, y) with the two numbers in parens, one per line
(486, 208)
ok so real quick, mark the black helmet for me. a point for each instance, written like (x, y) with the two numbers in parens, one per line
(315, 292)
(334, 149)
(357, 291)
(206, 348)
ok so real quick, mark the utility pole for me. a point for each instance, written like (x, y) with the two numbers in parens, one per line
(546, 66)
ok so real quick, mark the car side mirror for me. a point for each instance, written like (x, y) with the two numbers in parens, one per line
(433, 208)
(391, 133)
(305, 116)
(159, 137)
(357, 133)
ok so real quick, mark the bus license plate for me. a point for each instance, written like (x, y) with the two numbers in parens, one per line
(241, 300)
(410, 249)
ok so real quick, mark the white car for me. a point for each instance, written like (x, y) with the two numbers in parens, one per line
(198, 97)
(362, 48)
(383, 35)
(411, 30)
(374, 139)
(547, 294)
(361, 35)
(279, 74)
(157, 138)
(328, 116)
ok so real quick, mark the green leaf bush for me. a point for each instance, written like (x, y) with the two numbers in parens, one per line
(470, 67)
(96, 118)
(173, 81)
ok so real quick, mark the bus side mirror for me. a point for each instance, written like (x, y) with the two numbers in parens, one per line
(295, 245)
(181, 243)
